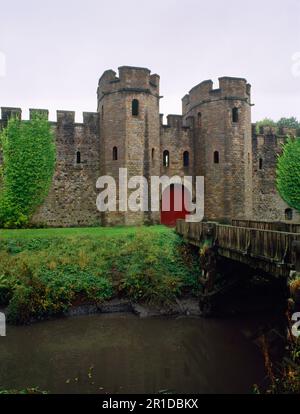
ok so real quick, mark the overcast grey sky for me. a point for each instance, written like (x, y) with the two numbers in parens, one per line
(55, 51)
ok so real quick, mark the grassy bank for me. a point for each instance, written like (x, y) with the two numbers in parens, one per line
(45, 272)
(92, 232)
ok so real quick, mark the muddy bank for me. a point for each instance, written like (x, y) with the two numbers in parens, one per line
(188, 306)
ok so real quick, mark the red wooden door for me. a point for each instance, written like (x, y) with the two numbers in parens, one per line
(168, 218)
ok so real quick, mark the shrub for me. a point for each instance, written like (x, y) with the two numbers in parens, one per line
(288, 173)
(66, 283)
(157, 270)
(6, 290)
(53, 292)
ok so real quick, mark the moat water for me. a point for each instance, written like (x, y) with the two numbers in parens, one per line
(125, 354)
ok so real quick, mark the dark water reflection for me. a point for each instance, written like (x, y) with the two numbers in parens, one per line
(124, 354)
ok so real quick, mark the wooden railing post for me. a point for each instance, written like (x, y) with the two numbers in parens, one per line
(296, 255)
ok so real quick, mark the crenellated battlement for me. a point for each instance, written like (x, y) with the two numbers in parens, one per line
(62, 117)
(130, 78)
(42, 112)
(273, 131)
(269, 141)
(229, 88)
(65, 117)
(173, 121)
(8, 112)
(268, 138)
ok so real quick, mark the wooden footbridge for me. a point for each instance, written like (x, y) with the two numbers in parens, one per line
(273, 247)
(270, 249)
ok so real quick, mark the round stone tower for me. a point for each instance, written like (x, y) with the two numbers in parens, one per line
(221, 123)
(128, 105)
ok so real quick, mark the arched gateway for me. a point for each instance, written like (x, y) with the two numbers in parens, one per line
(174, 209)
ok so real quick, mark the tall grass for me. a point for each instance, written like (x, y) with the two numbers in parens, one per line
(54, 269)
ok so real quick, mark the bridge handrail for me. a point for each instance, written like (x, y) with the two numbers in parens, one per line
(237, 238)
(270, 245)
(268, 225)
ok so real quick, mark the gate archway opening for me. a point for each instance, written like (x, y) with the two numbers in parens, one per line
(178, 197)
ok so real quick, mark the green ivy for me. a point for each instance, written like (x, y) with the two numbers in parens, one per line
(28, 165)
(288, 173)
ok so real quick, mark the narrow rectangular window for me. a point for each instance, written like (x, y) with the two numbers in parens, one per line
(115, 153)
(235, 115)
(166, 158)
(216, 157)
(135, 107)
(186, 159)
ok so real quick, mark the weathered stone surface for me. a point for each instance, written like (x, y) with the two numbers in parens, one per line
(72, 197)
(267, 203)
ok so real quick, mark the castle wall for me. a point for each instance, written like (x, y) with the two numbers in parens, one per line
(267, 203)
(176, 139)
(72, 197)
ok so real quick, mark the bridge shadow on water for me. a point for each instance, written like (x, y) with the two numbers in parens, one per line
(242, 292)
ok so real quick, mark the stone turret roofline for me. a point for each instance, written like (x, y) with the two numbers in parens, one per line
(232, 78)
(208, 81)
(106, 72)
(131, 79)
(222, 78)
(229, 88)
(125, 67)
(134, 68)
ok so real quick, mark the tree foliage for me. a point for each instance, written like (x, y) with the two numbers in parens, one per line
(290, 123)
(28, 151)
(288, 173)
(266, 122)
